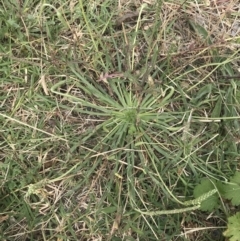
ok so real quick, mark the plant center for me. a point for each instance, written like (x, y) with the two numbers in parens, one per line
(130, 116)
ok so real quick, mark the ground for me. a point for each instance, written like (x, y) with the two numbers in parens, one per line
(110, 110)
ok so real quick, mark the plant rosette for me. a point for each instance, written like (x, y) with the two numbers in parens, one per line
(132, 126)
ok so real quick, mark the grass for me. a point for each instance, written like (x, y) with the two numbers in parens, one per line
(107, 108)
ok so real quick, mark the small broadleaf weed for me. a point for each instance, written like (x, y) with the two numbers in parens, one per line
(231, 190)
(233, 230)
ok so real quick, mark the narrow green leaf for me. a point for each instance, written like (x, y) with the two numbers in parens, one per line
(217, 109)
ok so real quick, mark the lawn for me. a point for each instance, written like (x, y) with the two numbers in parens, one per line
(119, 120)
